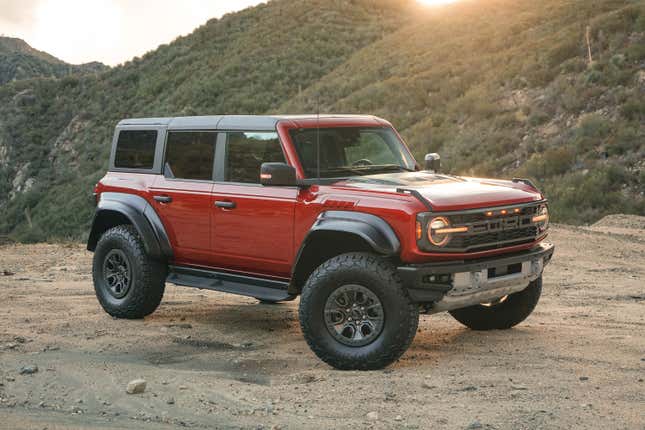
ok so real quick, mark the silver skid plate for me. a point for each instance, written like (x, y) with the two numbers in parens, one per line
(471, 288)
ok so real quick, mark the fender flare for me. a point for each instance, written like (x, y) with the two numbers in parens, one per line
(371, 229)
(140, 214)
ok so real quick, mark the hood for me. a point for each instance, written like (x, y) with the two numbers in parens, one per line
(449, 193)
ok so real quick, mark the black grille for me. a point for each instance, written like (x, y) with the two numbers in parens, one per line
(489, 228)
(493, 240)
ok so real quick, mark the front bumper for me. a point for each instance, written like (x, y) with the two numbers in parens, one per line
(457, 284)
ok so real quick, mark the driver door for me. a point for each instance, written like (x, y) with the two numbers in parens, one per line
(252, 225)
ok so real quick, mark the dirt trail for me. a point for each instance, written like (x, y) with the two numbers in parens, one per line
(213, 360)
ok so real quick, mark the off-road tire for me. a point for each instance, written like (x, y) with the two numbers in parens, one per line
(401, 316)
(512, 311)
(148, 275)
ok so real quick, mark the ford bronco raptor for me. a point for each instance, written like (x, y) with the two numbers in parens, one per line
(333, 209)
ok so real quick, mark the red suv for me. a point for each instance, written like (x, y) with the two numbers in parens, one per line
(332, 208)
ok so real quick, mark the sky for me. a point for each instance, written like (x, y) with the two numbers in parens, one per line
(109, 31)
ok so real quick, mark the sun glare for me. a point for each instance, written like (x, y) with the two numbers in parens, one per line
(435, 2)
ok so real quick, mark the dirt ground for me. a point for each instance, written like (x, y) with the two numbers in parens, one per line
(213, 360)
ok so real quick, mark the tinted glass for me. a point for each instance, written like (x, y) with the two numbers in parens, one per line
(190, 155)
(135, 149)
(351, 151)
(247, 151)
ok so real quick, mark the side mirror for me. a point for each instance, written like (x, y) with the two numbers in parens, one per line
(433, 162)
(277, 174)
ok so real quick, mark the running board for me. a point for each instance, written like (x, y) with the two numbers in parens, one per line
(260, 288)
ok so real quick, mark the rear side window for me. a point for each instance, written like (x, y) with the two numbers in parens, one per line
(135, 149)
(245, 153)
(190, 155)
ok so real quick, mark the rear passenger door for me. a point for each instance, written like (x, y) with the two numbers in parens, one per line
(252, 225)
(182, 195)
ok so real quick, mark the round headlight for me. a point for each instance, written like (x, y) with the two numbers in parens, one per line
(541, 218)
(435, 236)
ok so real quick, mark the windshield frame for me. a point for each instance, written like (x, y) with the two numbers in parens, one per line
(407, 158)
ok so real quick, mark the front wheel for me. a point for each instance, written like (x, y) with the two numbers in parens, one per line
(355, 313)
(503, 313)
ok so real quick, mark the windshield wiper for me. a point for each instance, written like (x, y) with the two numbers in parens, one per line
(388, 167)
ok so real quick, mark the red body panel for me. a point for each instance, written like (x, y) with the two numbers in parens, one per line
(263, 234)
(187, 218)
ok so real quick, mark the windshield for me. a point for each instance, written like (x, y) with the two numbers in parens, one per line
(351, 151)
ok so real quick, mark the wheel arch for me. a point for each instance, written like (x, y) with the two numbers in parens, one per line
(340, 232)
(119, 208)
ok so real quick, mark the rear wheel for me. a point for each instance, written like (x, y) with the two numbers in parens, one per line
(127, 282)
(355, 313)
(503, 313)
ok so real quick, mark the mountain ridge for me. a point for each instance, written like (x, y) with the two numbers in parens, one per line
(19, 60)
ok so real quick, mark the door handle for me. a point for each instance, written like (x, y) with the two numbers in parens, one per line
(163, 199)
(225, 204)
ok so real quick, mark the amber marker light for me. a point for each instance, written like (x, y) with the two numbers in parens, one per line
(516, 210)
(265, 176)
(503, 212)
(489, 213)
(419, 231)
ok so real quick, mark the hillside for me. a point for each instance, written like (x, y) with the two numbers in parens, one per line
(499, 87)
(18, 61)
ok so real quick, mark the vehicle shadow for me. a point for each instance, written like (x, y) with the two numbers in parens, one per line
(267, 328)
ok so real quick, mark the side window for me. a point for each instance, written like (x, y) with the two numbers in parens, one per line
(135, 149)
(245, 153)
(190, 154)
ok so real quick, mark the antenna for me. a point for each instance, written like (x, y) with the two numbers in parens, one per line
(318, 137)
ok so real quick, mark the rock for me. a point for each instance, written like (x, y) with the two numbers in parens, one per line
(10, 379)
(468, 388)
(136, 386)
(170, 401)
(372, 416)
(28, 370)
(429, 386)
(584, 378)
(20, 339)
(518, 387)
(475, 425)
(398, 418)
(7, 273)
(184, 326)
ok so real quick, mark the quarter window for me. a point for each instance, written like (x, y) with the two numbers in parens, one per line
(135, 149)
(190, 155)
(246, 151)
